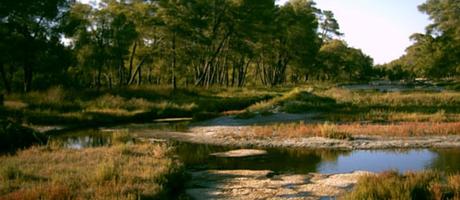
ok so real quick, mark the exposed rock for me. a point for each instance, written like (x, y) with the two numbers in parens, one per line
(240, 153)
(248, 184)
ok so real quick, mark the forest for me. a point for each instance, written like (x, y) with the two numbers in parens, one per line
(202, 43)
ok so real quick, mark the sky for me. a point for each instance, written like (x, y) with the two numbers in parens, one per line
(381, 28)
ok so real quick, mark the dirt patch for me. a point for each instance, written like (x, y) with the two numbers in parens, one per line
(264, 184)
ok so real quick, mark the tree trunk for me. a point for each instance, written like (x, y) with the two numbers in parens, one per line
(27, 77)
(173, 67)
(4, 79)
(139, 76)
(121, 72)
(99, 77)
(131, 61)
(137, 72)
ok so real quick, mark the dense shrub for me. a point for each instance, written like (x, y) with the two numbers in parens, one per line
(13, 136)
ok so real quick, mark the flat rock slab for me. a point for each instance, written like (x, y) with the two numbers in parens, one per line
(240, 153)
(261, 184)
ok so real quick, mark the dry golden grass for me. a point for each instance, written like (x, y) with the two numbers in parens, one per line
(347, 131)
(412, 106)
(420, 98)
(119, 172)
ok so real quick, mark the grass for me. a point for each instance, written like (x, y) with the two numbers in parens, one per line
(343, 105)
(349, 130)
(332, 131)
(69, 107)
(414, 106)
(354, 112)
(295, 101)
(392, 185)
(118, 172)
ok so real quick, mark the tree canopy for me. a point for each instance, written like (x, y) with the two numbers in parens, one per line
(200, 43)
(435, 53)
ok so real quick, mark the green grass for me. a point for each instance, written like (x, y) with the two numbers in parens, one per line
(414, 106)
(70, 107)
(118, 172)
(343, 105)
(392, 185)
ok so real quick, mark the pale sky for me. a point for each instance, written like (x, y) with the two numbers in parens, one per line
(381, 28)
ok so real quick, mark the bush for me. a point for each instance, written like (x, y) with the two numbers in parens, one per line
(13, 136)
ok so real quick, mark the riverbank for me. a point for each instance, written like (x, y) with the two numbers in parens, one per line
(269, 136)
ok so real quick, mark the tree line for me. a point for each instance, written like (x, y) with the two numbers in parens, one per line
(203, 43)
(435, 53)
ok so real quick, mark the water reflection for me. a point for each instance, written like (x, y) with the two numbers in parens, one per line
(84, 139)
(447, 160)
(377, 161)
(282, 160)
(294, 160)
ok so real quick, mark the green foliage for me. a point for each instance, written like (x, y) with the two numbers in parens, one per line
(31, 41)
(434, 53)
(337, 61)
(202, 42)
(329, 26)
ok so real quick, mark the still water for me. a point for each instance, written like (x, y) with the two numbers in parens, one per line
(281, 160)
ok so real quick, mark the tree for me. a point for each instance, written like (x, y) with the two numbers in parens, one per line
(31, 25)
(329, 26)
(435, 53)
(446, 32)
(337, 61)
(294, 42)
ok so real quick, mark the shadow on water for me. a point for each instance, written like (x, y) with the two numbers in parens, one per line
(279, 160)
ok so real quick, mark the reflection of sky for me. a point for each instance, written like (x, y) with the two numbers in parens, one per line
(378, 161)
(80, 142)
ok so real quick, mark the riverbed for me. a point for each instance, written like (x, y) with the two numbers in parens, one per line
(281, 172)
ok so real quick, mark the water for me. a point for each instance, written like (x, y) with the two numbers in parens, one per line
(280, 160)
(295, 160)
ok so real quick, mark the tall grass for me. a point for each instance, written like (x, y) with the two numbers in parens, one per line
(118, 172)
(392, 185)
(65, 106)
(349, 130)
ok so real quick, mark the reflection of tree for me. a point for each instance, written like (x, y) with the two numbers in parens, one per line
(447, 160)
(295, 160)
